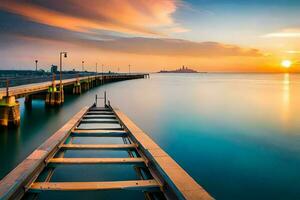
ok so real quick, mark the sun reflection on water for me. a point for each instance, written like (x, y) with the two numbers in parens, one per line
(286, 82)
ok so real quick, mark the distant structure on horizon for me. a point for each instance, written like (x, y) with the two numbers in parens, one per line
(53, 69)
(180, 70)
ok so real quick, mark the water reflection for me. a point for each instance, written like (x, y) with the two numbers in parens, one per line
(286, 82)
(241, 132)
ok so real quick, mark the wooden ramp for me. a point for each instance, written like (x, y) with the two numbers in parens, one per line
(160, 177)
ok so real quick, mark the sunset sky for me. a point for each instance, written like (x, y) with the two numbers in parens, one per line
(206, 35)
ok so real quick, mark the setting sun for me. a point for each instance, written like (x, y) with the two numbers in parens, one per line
(286, 63)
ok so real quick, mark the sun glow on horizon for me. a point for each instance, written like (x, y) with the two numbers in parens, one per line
(286, 63)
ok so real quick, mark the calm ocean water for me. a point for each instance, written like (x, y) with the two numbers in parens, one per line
(238, 135)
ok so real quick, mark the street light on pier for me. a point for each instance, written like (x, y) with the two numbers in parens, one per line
(129, 68)
(60, 69)
(36, 63)
(96, 68)
(82, 65)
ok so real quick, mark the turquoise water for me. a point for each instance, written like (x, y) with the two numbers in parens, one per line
(238, 135)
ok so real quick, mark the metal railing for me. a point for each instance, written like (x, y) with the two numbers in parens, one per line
(24, 80)
(17, 81)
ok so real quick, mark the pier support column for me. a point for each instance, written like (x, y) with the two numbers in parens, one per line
(54, 97)
(28, 100)
(98, 81)
(85, 86)
(9, 111)
(90, 83)
(77, 88)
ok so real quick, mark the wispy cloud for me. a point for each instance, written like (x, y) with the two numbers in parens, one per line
(150, 46)
(175, 47)
(287, 33)
(292, 52)
(147, 17)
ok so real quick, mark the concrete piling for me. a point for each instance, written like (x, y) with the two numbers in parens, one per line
(9, 111)
(54, 97)
(85, 85)
(77, 88)
(28, 100)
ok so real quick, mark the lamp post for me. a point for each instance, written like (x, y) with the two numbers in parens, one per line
(36, 63)
(60, 69)
(129, 68)
(96, 68)
(82, 65)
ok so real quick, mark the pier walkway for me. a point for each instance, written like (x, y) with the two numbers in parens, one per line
(27, 89)
(52, 92)
(160, 177)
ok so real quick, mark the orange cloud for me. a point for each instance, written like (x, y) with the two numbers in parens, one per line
(173, 47)
(126, 16)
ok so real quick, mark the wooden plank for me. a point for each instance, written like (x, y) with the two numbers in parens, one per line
(99, 117)
(182, 184)
(98, 146)
(96, 120)
(100, 129)
(12, 185)
(99, 126)
(144, 185)
(99, 113)
(99, 109)
(96, 160)
(98, 133)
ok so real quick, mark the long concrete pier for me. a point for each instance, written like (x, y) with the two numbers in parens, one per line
(160, 177)
(52, 92)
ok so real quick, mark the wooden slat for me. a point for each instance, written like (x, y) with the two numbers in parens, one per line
(100, 126)
(96, 160)
(99, 117)
(98, 146)
(99, 113)
(98, 133)
(100, 129)
(89, 186)
(95, 120)
(99, 109)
